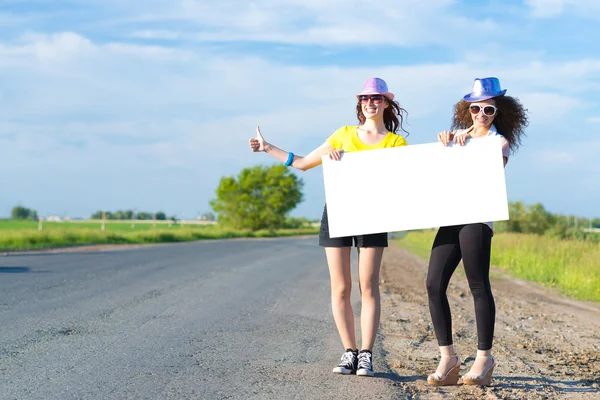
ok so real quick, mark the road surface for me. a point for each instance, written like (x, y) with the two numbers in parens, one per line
(250, 319)
(237, 319)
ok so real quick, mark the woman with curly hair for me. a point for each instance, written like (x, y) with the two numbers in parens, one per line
(484, 112)
(380, 118)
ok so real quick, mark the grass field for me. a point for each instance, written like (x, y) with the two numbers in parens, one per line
(110, 225)
(572, 266)
(22, 235)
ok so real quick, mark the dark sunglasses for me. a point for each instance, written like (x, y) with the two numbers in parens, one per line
(376, 98)
(487, 110)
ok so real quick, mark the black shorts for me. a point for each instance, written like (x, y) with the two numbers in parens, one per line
(372, 240)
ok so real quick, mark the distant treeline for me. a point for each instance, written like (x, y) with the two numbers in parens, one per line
(24, 213)
(130, 214)
(535, 219)
(142, 215)
(523, 219)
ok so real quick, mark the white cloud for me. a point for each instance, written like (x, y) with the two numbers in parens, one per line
(556, 157)
(320, 23)
(579, 157)
(546, 8)
(67, 74)
(78, 112)
(554, 8)
(549, 107)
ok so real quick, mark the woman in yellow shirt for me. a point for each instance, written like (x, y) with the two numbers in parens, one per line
(380, 118)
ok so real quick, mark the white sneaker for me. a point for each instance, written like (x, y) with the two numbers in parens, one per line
(348, 364)
(365, 364)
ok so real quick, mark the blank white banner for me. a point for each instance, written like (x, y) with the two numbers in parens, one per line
(415, 187)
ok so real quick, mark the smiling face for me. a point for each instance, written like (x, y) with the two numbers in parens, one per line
(483, 113)
(373, 105)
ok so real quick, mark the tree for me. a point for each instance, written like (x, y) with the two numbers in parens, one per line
(126, 215)
(560, 227)
(207, 217)
(537, 220)
(517, 214)
(96, 215)
(20, 212)
(296, 223)
(144, 215)
(259, 198)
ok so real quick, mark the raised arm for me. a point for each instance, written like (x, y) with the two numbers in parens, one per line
(313, 159)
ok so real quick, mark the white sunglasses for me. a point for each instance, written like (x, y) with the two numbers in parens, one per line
(487, 110)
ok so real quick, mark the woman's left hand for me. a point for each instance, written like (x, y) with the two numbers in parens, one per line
(461, 139)
(336, 154)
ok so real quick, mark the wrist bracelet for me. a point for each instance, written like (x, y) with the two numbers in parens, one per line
(290, 159)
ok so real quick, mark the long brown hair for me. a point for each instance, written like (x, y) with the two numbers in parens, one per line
(393, 116)
(510, 120)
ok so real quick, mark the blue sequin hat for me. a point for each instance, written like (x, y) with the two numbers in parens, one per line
(485, 88)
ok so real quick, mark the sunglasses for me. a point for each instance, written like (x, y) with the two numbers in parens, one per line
(487, 110)
(376, 98)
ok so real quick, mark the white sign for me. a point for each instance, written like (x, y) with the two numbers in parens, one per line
(415, 187)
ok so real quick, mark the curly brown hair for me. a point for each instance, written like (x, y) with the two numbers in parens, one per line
(510, 120)
(393, 116)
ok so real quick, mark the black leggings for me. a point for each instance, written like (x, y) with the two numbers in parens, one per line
(472, 243)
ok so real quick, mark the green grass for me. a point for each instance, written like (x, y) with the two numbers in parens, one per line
(572, 266)
(419, 242)
(116, 226)
(23, 235)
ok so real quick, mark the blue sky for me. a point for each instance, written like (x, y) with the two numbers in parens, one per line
(147, 104)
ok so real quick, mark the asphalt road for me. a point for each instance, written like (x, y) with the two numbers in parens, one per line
(239, 319)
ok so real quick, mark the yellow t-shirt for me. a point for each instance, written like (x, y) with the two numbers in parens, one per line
(346, 138)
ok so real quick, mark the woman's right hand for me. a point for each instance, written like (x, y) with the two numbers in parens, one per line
(257, 143)
(461, 139)
(445, 137)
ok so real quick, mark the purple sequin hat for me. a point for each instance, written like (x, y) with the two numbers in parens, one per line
(485, 88)
(376, 86)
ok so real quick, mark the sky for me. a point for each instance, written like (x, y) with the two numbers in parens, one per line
(147, 104)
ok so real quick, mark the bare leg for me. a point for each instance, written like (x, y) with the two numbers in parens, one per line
(369, 264)
(338, 259)
(448, 370)
(448, 360)
(483, 362)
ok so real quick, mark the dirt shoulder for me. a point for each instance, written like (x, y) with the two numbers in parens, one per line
(546, 346)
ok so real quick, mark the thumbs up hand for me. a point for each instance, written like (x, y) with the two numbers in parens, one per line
(257, 143)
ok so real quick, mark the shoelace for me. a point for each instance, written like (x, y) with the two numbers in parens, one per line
(348, 359)
(364, 361)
